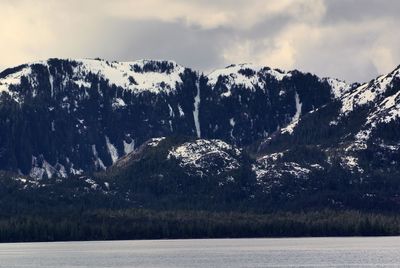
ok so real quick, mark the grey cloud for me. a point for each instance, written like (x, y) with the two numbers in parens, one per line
(360, 10)
(190, 46)
(268, 27)
(352, 39)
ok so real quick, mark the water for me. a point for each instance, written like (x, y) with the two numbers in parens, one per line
(285, 252)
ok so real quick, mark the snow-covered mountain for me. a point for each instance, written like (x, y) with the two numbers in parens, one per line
(353, 139)
(275, 132)
(61, 117)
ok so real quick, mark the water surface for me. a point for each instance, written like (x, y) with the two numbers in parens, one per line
(282, 252)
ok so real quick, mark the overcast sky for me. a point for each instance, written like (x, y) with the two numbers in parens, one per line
(354, 40)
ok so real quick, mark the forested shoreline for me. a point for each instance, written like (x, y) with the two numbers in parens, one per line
(126, 224)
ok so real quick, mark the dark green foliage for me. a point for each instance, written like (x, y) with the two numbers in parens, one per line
(11, 70)
(247, 72)
(150, 224)
(153, 180)
(389, 132)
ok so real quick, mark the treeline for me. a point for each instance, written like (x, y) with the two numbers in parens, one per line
(108, 224)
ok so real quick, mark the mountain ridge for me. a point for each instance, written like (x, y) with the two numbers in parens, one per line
(123, 77)
(297, 135)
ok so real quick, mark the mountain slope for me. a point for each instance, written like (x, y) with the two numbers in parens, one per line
(354, 141)
(69, 117)
(61, 117)
(156, 134)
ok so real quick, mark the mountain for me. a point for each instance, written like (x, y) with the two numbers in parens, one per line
(74, 116)
(351, 143)
(156, 134)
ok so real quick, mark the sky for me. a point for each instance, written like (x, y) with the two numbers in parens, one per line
(353, 40)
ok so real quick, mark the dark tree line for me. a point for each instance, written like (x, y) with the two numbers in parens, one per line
(109, 224)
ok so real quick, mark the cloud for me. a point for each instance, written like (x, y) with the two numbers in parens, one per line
(278, 53)
(192, 47)
(352, 50)
(348, 51)
(241, 14)
(353, 39)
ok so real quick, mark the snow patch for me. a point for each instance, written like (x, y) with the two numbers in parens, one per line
(196, 110)
(118, 103)
(51, 82)
(92, 183)
(351, 163)
(133, 75)
(112, 150)
(246, 75)
(206, 156)
(181, 113)
(14, 79)
(367, 93)
(171, 112)
(232, 123)
(154, 142)
(75, 171)
(41, 168)
(129, 147)
(338, 87)
(295, 120)
(82, 83)
(98, 162)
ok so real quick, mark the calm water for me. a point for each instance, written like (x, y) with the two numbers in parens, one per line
(291, 252)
